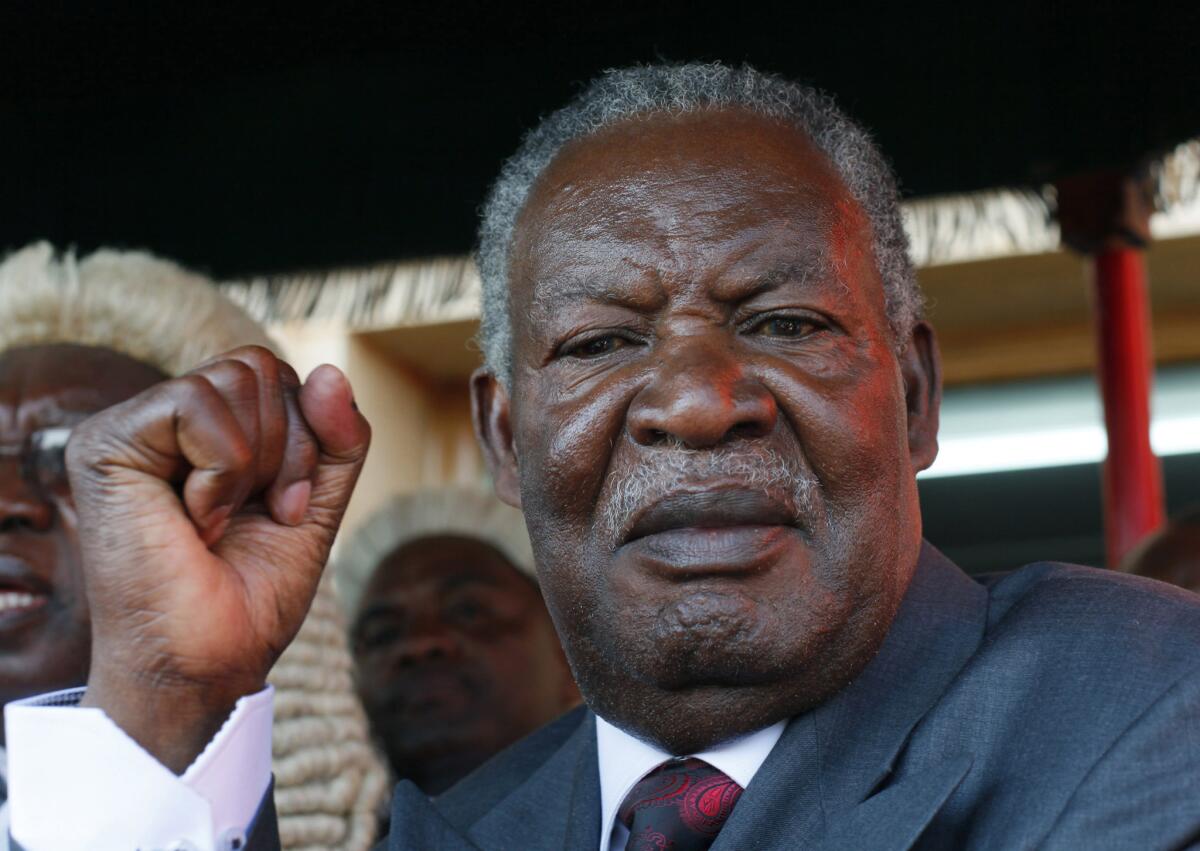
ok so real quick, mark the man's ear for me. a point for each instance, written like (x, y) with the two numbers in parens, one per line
(491, 415)
(921, 367)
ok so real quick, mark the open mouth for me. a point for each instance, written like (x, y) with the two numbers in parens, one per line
(22, 592)
(20, 602)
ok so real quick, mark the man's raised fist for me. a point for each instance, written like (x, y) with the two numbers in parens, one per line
(207, 507)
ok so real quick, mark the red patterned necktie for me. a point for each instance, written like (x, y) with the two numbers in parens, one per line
(681, 806)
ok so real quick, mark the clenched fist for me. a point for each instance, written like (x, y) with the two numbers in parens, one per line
(207, 506)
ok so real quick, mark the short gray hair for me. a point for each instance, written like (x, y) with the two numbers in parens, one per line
(621, 94)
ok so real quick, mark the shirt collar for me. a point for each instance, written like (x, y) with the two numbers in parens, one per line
(624, 760)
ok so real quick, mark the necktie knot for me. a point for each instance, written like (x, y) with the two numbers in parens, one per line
(681, 806)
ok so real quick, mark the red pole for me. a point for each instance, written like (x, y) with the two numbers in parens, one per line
(1133, 489)
(1105, 215)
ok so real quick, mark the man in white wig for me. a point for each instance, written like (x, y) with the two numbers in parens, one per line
(455, 652)
(81, 335)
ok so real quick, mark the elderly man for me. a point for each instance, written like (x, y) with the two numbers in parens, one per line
(80, 336)
(709, 388)
(455, 654)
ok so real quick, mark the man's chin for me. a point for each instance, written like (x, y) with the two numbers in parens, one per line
(710, 666)
(433, 737)
(709, 638)
(721, 690)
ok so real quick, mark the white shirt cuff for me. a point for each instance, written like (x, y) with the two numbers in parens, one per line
(77, 781)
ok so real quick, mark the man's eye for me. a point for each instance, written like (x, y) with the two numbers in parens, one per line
(785, 326)
(378, 638)
(469, 613)
(596, 346)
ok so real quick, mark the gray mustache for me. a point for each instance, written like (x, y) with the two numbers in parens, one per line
(666, 472)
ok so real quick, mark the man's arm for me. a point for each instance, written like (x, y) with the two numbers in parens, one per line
(1142, 795)
(207, 506)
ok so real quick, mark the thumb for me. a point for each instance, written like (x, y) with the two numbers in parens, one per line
(343, 436)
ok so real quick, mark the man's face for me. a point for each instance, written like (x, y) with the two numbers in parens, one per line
(45, 637)
(456, 658)
(714, 437)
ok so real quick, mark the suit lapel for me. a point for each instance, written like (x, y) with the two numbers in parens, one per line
(556, 808)
(818, 780)
(938, 629)
(416, 824)
(894, 819)
(781, 808)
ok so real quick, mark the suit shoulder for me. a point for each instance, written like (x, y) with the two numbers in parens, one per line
(477, 793)
(1101, 613)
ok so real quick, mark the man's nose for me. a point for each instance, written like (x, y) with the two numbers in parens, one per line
(428, 639)
(701, 396)
(22, 506)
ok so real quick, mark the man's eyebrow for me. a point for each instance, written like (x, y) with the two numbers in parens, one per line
(375, 612)
(462, 580)
(63, 418)
(552, 293)
(813, 267)
(46, 418)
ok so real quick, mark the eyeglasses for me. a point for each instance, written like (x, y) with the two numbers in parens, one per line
(42, 458)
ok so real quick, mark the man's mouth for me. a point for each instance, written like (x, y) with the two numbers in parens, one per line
(22, 592)
(441, 689)
(19, 601)
(709, 510)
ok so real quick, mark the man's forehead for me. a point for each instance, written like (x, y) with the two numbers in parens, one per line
(627, 283)
(712, 188)
(62, 383)
(445, 558)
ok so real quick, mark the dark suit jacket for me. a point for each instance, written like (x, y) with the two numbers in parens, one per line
(1053, 707)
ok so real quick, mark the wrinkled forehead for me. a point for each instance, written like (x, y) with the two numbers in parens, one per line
(693, 193)
(58, 384)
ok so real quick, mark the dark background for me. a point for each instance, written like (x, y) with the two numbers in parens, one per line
(277, 139)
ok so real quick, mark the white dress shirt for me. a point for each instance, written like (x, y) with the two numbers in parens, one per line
(4, 806)
(114, 796)
(624, 760)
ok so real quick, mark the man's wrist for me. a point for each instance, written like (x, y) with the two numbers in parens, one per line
(119, 795)
(172, 721)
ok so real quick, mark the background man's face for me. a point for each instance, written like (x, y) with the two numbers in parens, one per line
(456, 658)
(1172, 554)
(712, 429)
(45, 636)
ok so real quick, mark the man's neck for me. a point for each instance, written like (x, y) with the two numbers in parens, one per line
(623, 759)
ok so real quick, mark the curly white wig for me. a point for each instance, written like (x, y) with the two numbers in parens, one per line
(462, 512)
(328, 780)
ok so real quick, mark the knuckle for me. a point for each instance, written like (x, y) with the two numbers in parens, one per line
(191, 386)
(254, 353)
(233, 380)
(259, 360)
(260, 356)
(237, 371)
(288, 375)
(241, 455)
